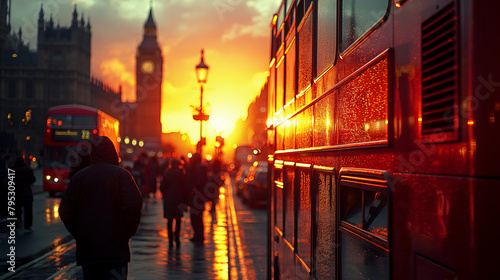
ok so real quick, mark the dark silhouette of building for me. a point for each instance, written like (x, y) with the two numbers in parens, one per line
(145, 123)
(58, 72)
(253, 130)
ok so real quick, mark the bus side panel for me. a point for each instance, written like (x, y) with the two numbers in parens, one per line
(484, 222)
(432, 218)
(110, 127)
(418, 155)
(485, 91)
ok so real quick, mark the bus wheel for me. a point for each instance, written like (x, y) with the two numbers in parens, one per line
(52, 194)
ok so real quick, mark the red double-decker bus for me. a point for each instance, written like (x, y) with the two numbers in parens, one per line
(384, 126)
(68, 131)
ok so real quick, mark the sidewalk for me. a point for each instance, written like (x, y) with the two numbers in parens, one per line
(49, 232)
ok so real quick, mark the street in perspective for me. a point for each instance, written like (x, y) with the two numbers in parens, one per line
(234, 245)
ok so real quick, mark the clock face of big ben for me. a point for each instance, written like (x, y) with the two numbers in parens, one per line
(147, 67)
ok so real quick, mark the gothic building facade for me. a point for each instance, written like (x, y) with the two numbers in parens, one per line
(58, 72)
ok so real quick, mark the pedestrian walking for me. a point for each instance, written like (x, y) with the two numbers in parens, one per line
(154, 172)
(24, 179)
(145, 173)
(138, 174)
(196, 180)
(101, 208)
(173, 189)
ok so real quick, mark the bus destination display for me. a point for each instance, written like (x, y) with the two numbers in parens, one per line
(70, 135)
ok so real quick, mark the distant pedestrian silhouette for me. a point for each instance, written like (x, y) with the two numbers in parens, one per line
(101, 208)
(154, 172)
(174, 192)
(197, 179)
(140, 171)
(24, 179)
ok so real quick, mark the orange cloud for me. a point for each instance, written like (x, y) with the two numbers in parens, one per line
(113, 71)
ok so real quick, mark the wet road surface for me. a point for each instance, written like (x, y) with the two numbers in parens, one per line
(230, 249)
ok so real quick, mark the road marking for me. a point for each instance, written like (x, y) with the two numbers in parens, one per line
(60, 249)
(233, 222)
(61, 272)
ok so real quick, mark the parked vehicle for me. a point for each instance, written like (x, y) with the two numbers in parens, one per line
(240, 178)
(255, 188)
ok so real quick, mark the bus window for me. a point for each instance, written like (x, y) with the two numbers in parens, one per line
(304, 219)
(358, 17)
(376, 213)
(326, 42)
(87, 121)
(68, 121)
(290, 88)
(305, 38)
(366, 210)
(363, 229)
(279, 197)
(325, 223)
(289, 203)
(280, 79)
(351, 206)
(360, 259)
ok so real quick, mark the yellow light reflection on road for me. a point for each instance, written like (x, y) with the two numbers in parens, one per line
(221, 264)
(56, 211)
(52, 212)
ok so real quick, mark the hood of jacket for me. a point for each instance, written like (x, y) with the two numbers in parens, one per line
(103, 151)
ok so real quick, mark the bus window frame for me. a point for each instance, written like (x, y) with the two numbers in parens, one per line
(364, 180)
(377, 177)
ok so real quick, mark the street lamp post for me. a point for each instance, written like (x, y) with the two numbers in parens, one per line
(201, 74)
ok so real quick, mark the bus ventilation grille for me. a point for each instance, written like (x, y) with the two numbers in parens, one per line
(440, 75)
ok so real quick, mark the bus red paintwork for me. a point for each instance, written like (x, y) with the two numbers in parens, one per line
(384, 132)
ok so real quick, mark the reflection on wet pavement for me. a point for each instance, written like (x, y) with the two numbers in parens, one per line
(221, 255)
(152, 258)
(51, 210)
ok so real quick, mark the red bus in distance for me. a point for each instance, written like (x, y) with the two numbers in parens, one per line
(68, 131)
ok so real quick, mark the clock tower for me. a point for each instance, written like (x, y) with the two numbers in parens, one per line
(146, 123)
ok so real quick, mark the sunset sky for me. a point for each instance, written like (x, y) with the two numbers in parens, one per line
(233, 33)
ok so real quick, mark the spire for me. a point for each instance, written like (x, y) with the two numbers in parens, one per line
(150, 22)
(82, 21)
(41, 19)
(4, 13)
(149, 39)
(74, 21)
(88, 24)
(51, 22)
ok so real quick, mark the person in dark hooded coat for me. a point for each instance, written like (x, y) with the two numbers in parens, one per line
(101, 208)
